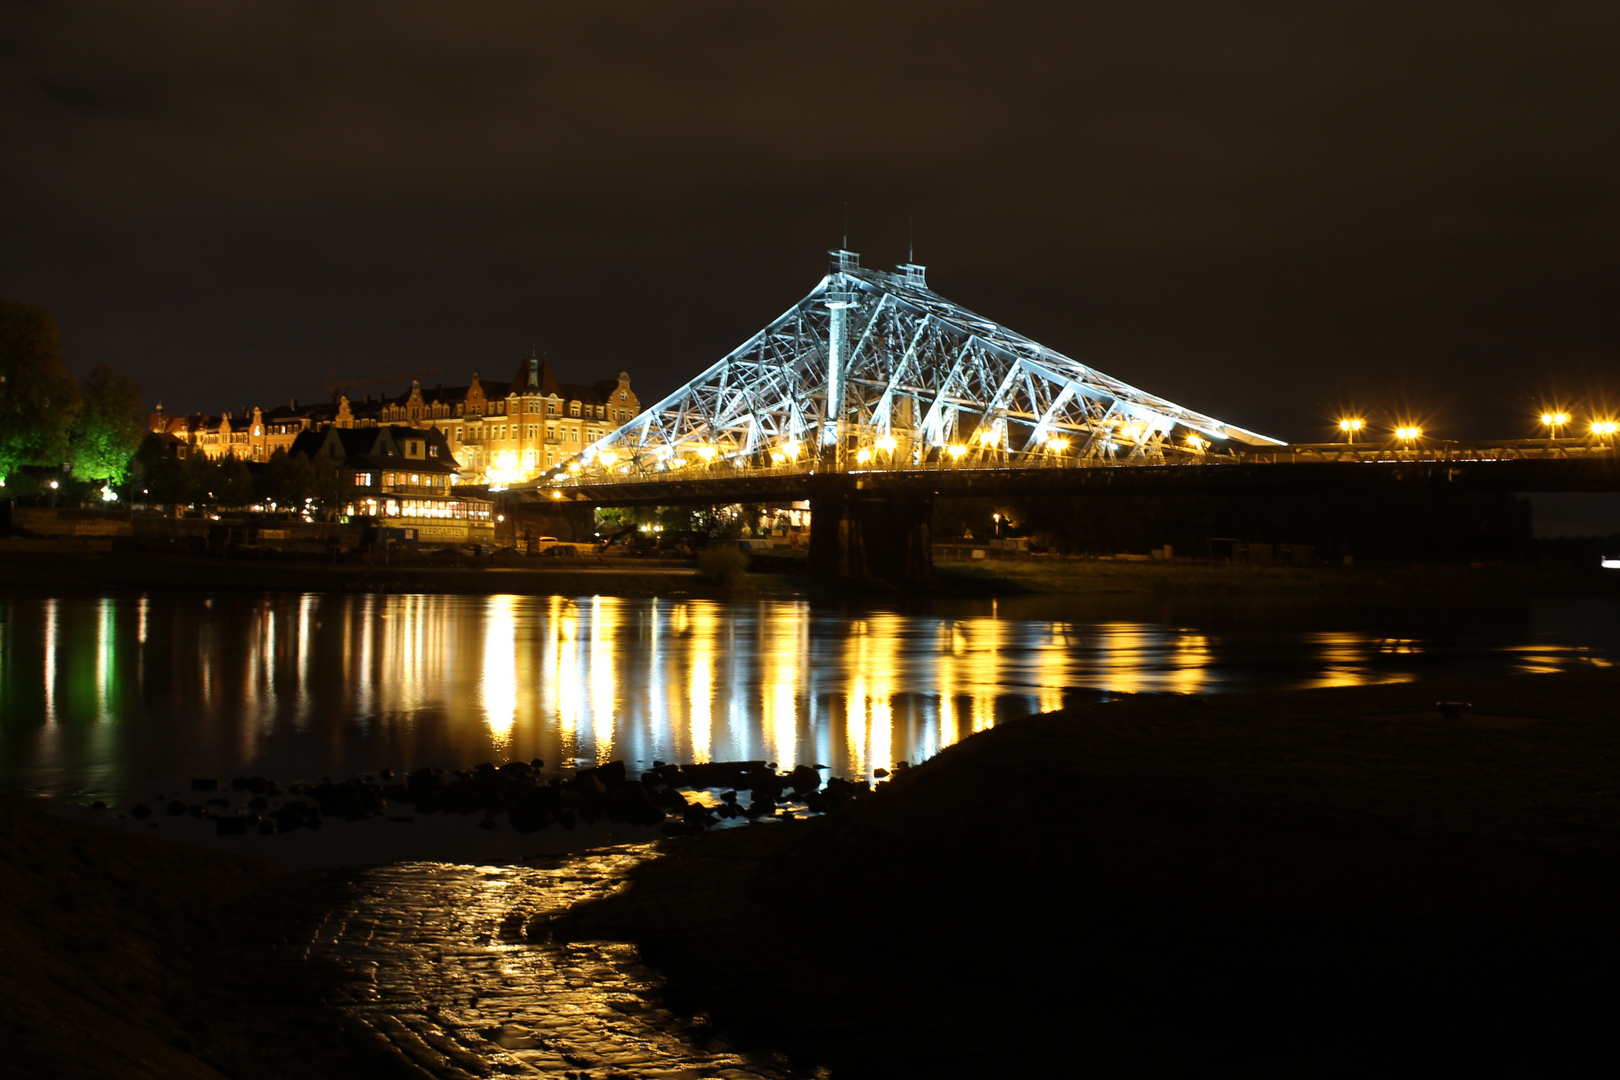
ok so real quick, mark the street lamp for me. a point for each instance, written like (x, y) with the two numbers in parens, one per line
(1351, 425)
(1554, 421)
(1407, 433)
(1605, 427)
(997, 519)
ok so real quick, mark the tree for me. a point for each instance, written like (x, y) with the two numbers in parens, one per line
(235, 482)
(109, 427)
(161, 473)
(38, 396)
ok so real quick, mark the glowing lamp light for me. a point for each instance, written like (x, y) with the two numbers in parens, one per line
(556, 494)
(609, 458)
(886, 443)
(1555, 419)
(1408, 433)
(574, 466)
(956, 450)
(988, 436)
(706, 453)
(107, 495)
(1611, 564)
(1195, 442)
(54, 485)
(777, 457)
(863, 455)
(1057, 445)
(792, 447)
(1351, 426)
(1605, 427)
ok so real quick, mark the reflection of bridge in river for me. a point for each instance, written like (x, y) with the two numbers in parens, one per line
(874, 395)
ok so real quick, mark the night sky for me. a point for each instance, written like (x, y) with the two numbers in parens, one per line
(1266, 212)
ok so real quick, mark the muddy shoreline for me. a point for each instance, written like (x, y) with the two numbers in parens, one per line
(1330, 882)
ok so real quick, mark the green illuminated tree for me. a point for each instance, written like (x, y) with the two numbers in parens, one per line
(109, 427)
(38, 396)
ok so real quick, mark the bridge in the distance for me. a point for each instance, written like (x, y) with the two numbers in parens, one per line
(874, 395)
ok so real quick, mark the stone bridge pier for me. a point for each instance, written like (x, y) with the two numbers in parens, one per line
(859, 533)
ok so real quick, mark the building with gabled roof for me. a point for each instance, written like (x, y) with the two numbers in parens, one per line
(400, 475)
(499, 432)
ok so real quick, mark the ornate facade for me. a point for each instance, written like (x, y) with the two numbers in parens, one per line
(495, 433)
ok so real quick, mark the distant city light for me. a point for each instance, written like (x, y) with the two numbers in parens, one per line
(1611, 564)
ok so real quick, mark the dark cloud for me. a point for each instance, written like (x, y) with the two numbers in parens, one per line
(1266, 211)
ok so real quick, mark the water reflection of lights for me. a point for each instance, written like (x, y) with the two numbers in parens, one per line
(560, 661)
(696, 622)
(408, 680)
(50, 661)
(498, 685)
(783, 641)
(604, 665)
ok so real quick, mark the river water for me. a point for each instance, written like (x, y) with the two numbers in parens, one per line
(107, 696)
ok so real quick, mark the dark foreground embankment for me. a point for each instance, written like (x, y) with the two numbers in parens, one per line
(1336, 882)
(1321, 883)
(126, 956)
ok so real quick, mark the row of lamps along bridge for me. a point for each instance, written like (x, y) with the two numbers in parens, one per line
(1555, 422)
(888, 444)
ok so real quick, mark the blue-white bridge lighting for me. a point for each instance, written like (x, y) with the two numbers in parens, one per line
(874, 371)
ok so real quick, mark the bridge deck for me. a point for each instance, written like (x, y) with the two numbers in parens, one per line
(1543, 465)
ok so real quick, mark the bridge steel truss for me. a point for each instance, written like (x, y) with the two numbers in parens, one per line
(876, 372)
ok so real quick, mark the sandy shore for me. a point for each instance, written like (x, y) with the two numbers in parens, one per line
(1336, 882)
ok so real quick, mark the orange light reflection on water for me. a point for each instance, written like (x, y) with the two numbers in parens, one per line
(452, 680)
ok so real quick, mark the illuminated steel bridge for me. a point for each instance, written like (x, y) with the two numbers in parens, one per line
(874, 394)
(874, 371)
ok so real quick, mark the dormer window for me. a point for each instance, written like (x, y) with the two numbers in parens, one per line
(573, 408)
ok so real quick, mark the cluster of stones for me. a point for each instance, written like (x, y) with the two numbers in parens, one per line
(530, 800)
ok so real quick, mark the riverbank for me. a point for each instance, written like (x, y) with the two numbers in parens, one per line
(1118, 576)
(86, 569)
(1341, 882)
(1336, 882)
(95, 572)
(132, 957)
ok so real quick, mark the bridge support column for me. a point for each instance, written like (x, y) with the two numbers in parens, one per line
(862, 534)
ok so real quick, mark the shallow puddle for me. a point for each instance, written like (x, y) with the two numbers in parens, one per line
(444, 973)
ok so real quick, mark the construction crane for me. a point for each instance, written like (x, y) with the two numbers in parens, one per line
(336, 388)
